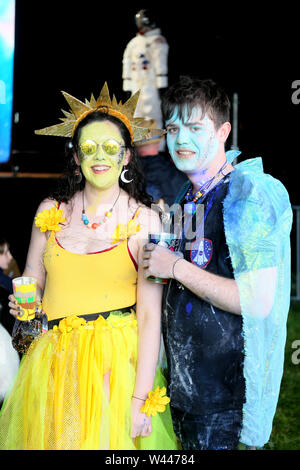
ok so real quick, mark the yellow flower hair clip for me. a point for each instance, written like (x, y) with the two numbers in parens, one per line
(49, 219)
(156, 402)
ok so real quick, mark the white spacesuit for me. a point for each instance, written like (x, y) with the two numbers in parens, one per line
(145, 68)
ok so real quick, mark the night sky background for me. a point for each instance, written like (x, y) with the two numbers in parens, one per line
(75, 47)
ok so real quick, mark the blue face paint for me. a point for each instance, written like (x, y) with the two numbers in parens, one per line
(192, 141)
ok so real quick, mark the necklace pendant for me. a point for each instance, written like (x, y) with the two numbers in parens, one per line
(190, 207)
(107, 215)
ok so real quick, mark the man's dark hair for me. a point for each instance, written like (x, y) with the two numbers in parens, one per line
(189, 92)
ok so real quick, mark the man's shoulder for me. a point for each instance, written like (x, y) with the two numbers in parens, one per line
(249, 182)
(256, 199)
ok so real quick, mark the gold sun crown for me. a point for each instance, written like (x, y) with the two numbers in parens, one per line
(124, 112)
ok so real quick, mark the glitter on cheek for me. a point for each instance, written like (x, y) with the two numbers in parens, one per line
(121, 156)
(207, 145)
(82, 156)
(212, 146)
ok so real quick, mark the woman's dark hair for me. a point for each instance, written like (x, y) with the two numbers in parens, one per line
(189, 92)
(69, 184)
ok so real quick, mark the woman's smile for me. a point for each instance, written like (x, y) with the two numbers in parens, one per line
(100, 169)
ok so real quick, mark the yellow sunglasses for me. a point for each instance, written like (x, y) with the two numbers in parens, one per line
(110, 146)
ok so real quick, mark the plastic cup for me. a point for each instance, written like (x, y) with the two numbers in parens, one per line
(25, 294)
(163, 239)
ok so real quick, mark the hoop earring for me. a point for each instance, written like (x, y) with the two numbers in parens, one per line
(78, 175)
(125, 180)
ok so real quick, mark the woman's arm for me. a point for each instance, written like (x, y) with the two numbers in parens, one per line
(149, 299)
(34, 263)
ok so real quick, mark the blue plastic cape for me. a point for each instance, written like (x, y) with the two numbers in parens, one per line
(257, 221)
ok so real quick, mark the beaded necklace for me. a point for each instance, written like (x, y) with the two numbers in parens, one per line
(192, 199)
(107, 214)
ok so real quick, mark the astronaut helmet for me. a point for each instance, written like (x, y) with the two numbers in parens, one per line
(145, 21)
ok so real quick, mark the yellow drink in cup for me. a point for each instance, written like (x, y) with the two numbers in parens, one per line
(25, 295)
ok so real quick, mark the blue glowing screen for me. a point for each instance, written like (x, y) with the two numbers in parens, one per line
(7, 46)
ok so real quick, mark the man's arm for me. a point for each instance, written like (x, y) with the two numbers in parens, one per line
(219, 291)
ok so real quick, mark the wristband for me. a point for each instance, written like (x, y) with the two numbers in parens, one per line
(179, 259)
(142, 399)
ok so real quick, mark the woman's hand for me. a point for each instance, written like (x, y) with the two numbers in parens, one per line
(141, 425)
(16, 310)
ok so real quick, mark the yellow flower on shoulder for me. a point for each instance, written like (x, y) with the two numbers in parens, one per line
(49, 219)
(122, 232)
(132, 228)
(156, 402)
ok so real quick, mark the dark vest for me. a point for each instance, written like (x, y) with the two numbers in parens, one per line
(204, 344)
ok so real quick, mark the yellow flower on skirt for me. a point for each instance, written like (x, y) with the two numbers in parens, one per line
(67, 324)
(156, 402)
(49, 219)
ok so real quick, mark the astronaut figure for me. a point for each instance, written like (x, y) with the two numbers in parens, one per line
(145, 67)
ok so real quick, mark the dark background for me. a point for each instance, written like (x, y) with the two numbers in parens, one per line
(75, 47)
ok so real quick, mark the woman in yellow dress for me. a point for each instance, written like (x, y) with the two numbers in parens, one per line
(84, 383)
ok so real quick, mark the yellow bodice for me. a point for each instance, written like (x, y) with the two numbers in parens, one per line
(82, 284)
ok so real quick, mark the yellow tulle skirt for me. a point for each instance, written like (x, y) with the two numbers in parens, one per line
(59, 400)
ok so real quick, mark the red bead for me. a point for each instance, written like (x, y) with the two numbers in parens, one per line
(94, 226)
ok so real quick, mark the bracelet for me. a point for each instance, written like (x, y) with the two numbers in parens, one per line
(174, 266)
(139, 398)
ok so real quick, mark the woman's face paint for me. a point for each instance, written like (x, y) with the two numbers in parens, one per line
(101, 153)
(192, 141)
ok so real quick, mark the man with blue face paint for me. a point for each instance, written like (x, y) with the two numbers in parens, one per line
(226, 303)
